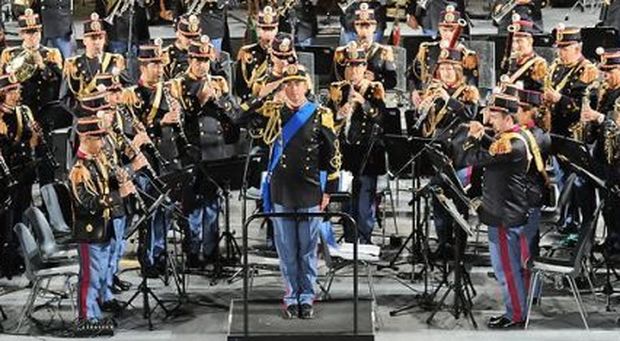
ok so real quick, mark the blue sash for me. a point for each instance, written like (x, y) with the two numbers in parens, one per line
(289, 130)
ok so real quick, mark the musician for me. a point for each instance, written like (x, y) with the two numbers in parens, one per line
(294, 185)
(524, 64)
(40, 88)
(208, 127)
(253, 59)
(119, 20)
(568, 77)
(530, 9)
(347, 21)
(565, 85)
(187, 28)
(539, 143)
(504, 205)
(448, 101)
(359, 106)
(18, 140)
(381, 66)
(602, 116)
(150, 104)
(425, 62)
(119, 154)
(79, 71)
(95, 204)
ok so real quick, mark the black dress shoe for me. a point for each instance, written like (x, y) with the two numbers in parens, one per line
(306, 312)
(112, 306)
(505, 323)
(494, 319)
(115, 289)
(123, 285)
(290, 312)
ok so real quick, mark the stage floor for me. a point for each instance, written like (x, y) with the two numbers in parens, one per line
(557, 319)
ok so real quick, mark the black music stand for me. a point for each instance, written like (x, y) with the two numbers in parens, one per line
(227, 175)
(143, 288)
(452, 186)
(404, 156)
(574, 150)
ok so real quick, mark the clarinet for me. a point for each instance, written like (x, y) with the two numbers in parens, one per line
(173, 103)
(36, 128)
(6, 172)
(138, 126)
(136, 151)
(116, 168)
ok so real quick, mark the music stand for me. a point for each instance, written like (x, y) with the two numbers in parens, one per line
(226, 174)
(143, 288)
(404, 155)
(462, 297)
(574, 150)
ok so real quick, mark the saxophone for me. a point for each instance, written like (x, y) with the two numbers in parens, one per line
(611, 140)
(579, 130)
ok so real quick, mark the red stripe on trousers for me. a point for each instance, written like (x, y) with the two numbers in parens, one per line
(525, 258)
(85, 280)
(510, 279)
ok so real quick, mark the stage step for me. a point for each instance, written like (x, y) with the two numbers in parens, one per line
(333, 321)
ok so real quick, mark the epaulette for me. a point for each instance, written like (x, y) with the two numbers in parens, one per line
(3, 128)
(387, 54)
(53, 56)
(119, 61)
(79, 174)
(470, 94)
(7, 54)
(221, 83)
(176, 88)
(129, 97)
(339, 55)
(327, 118)
(470, 59)
(589, 73)
(70, 67)
(539, 69)
(335, 91)
(501, 146)
(245, 55)
(378, 91)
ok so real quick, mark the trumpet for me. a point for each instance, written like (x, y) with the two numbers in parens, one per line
(195, 8)
(501, 11)
(120, 7)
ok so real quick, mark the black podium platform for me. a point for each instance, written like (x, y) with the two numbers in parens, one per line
(333, 321)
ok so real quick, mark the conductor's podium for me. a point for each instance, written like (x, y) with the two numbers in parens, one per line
(333, 321)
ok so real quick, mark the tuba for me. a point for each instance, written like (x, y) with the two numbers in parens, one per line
(23, 66)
